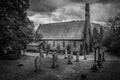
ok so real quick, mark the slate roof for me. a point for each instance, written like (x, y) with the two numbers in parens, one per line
(64, 30)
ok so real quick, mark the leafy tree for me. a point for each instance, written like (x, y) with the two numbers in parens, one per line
(16, 30)
(101, 34)
(38, 37)
(112, 41)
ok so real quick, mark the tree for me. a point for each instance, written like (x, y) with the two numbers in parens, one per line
(101, 34)
(95, 35)
(38, 37)
(16, 30)
(114, 23)
(112, 41)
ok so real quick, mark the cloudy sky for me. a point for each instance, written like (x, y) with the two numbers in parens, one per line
(49, 11)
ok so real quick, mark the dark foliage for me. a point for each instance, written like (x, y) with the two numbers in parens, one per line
(112, 41)
(95, 35)
(38, 37)
(16, 30)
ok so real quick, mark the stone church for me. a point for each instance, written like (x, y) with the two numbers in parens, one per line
(74, 33)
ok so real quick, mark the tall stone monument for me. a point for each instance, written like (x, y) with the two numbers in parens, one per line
(87, 31)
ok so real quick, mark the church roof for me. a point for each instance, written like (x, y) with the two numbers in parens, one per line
(64, 30)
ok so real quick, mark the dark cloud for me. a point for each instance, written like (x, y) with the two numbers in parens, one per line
(77, 0)
(108, 1)
(42, 6)
(46, 5)
(84, 1)
(97, 1)
(59, 10)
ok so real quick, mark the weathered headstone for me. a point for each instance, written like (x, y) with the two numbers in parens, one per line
(103, 54)
(36, 68)
(69, 59)
(95, 67)
(55, 63)
(41, 53)
(85, 57)
(99, 61)
(77, 57)
(47, 50)
(81, 48)
(71, 54)
(66, 54)
(47, 53)
(24, 51)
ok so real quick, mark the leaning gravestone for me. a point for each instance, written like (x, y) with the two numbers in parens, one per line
(69, 59)
(55, 63)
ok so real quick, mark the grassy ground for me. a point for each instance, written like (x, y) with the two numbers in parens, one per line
(11, 70)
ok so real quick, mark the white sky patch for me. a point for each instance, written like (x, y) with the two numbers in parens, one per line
(100, 12)
(40, 19)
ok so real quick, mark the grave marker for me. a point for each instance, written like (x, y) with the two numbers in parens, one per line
(69, 59)
(55, 63)
(77, 57)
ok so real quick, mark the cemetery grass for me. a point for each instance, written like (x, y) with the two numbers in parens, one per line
(23, 69)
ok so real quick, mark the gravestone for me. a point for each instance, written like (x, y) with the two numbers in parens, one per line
(36, 64)
(103, 56)
(99, 61)
(103, 53)
(69, 59)
(41, 53)
(55, 63)
(47, 50)
(77, 57)
(85, 52)
(95, 67)
(66, 54)
(23, 52)
(47, 53)
(71, 54)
